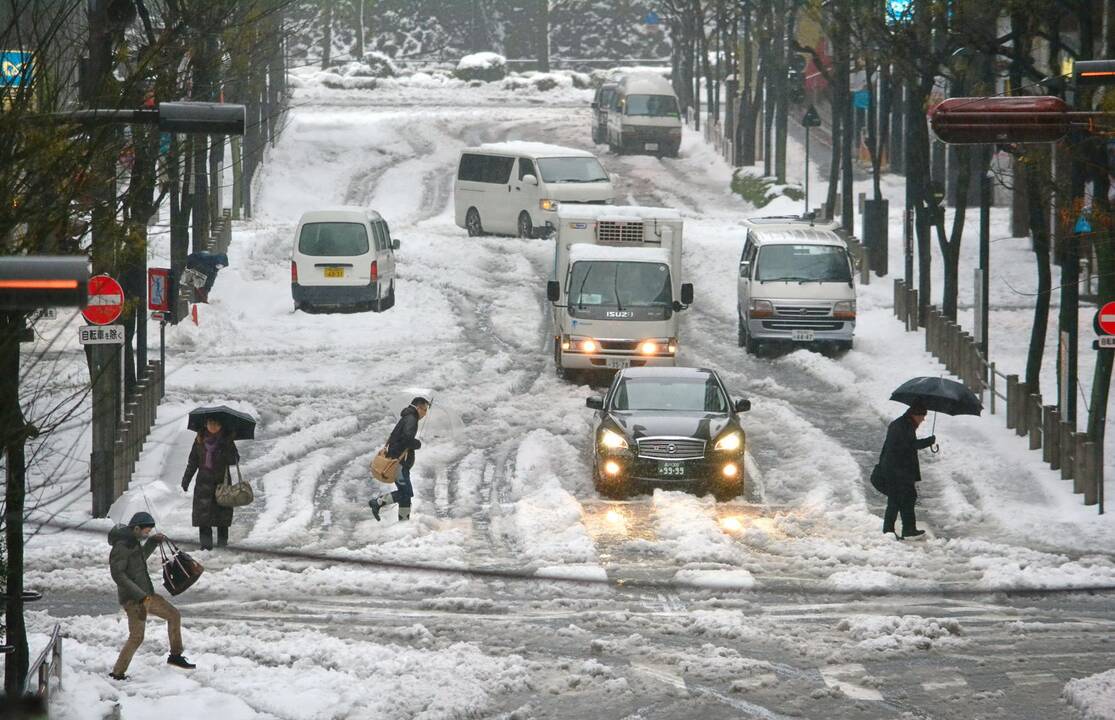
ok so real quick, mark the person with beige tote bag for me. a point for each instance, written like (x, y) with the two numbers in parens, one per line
(400, 449)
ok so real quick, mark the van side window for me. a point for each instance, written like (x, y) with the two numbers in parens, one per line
(377, 231)
(386, 235)
(526, 167)
(471, 168)
(497, 169)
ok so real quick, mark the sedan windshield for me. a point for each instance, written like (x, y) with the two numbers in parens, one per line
(693, 394)
(620, 284)
(326, 239)
(803, 263)
(652, 105)
(572, 170)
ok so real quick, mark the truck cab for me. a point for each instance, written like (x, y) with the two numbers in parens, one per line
(616, 289)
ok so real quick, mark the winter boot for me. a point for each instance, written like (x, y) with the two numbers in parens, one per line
(404, 512)
(912, 534)
(378, 503)
(180, 661)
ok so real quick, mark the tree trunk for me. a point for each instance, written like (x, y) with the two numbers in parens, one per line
(1032, 179)
(360, 29)
(543, 41)
(327, 33)
(781, 112)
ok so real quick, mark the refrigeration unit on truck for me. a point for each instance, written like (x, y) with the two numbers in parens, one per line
(615, 289)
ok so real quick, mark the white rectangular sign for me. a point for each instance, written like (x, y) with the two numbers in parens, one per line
(1106, 341)
(101, 334)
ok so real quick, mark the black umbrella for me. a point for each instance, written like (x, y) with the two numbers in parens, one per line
(241, 425)
(939, 395)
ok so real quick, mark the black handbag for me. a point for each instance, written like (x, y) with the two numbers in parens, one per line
(180, 571)
(878, 480)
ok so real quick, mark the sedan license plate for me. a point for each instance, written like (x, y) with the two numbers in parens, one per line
(671, 469)
(804, 336)
(650, 146)
(334, 272)
(616, 363)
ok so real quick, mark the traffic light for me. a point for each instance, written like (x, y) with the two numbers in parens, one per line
(30, 282)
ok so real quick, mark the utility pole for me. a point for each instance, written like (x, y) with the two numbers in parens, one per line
(13, 330)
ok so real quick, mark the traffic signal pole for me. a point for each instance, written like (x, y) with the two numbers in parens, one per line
(13, 435)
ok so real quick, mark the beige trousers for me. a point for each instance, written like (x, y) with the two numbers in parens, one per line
(137, 621)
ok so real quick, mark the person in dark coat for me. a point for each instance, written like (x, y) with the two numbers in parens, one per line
(402, 443)
(901, 470)
(131, 545)
(212, 454)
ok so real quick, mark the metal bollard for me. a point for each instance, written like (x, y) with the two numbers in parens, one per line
(1055, 439)
(914, 317)
(1079, 461)
(1022, 419)
(119, 483)
(1034, 422)
(991, 384)
(1012, 402)
(1091, 464)
(1048, 423)
(1067, 449)
(898, 293)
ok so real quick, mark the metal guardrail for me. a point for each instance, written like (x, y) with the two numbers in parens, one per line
(140, 409)
(47, 667)
(1075, 454)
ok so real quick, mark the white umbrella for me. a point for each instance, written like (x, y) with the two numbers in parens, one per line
(442, 421)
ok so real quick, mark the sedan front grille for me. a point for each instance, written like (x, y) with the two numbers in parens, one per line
(666, 448)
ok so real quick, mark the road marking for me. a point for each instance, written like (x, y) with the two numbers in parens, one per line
(662, 674)
(837, 676)
(1033, 677)
(744, 706)
(945, 681)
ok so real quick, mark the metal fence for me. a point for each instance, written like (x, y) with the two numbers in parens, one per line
(140, 408)
(1075, 454)
(45, 674)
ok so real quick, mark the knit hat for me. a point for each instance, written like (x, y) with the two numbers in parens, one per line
(142, 520)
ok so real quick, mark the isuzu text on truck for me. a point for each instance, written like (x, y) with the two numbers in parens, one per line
(616, 288)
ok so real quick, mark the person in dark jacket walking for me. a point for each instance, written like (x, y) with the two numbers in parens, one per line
(401, 444)
(901, 470)
(131, 545)
(212, 454)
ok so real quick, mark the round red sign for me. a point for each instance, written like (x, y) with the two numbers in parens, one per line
(106, 300)
(1105, 318)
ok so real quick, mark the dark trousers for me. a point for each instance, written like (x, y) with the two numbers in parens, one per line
(403, 490)
(903, 505)
(206, 535)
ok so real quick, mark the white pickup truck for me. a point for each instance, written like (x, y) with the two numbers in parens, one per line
(615, 289)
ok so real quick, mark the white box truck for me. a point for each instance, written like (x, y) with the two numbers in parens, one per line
(615, 289)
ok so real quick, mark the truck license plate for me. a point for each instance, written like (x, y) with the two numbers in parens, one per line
(651, 146)
(616, 363)
(671, 469)
(804, 336)
(334, 272)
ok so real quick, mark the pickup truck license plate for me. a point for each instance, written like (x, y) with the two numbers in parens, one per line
(671, 469)
(616, 363)
(334, 272)
(804, 336)
(651, 146)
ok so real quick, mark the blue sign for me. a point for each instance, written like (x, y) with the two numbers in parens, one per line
(652, 18)
(899, 10)
(1082, 225)
(164, 143)
(861, 99)
(15, 69)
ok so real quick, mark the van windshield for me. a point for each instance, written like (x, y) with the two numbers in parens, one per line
(803, 263)
(652, 105)
(333, 239)
(620, 284)
(571, 170)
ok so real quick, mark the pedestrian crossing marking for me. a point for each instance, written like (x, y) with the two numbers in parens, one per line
(837, 676)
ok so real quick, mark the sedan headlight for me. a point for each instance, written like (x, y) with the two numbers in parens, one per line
(844, 310)
(729, 443)
(612, 440)
(549, 205)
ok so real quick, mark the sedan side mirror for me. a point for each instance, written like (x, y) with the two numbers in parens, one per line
(395, 245)
(745, 269)
(743, 405)
(530, 179)
(553, 291)
(687, 293)
(595, 402)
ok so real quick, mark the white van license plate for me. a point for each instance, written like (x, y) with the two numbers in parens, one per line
(616, 363)
(671, 469)
(804, 336)
(651, 146)
(334, 272)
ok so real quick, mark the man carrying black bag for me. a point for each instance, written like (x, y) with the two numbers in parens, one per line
(899, 471)
(131, 545)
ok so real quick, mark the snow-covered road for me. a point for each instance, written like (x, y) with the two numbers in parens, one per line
(739, 609)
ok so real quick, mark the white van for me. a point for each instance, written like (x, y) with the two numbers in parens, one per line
(516, 188)
(644, 117)
(796, 284)
(343, 258)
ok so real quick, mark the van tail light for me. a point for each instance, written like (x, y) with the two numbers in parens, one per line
(293, 272)
(375, 271)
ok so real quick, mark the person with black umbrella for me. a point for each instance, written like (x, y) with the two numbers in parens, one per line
(212, 453)
(900, 471)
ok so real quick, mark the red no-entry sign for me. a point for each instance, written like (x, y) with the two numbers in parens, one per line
(1105, 319)
(106, 300)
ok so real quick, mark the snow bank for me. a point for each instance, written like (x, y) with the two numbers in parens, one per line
(891, 633)
(486, 66)
(1093, 696)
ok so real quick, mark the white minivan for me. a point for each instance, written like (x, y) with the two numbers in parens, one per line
(644, 116)
(796, 284)
(516, 188)
(343, 258)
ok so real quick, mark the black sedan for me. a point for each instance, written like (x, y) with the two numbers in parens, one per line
(669, 427)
